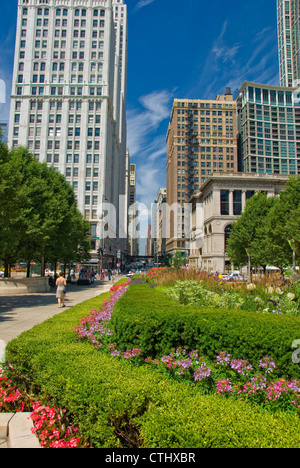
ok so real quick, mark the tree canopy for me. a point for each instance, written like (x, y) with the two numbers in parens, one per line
(268, 231)
(38, 213)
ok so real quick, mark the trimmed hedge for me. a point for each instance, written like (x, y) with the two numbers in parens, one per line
(152, 321)
(118, 405)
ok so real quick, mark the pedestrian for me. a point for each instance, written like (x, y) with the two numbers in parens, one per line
(61, 284)
(51, 281)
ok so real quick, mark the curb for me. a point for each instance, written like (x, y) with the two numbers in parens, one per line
(15, 428)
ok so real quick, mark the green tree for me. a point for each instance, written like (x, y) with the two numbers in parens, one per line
(39, 218)
(179, 260)
(282, 227)
(12, 207)
(246, 238)
(70, 244)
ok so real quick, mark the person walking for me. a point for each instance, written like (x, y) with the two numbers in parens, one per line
(61, 284)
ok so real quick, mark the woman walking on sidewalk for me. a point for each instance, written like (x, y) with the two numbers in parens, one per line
(61, 284)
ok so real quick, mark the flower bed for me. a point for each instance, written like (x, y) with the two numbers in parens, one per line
(227, 376)
(116, 404)
(51, 426)
(92, 327)
(150, 320)
(233, 378)
(268, 300)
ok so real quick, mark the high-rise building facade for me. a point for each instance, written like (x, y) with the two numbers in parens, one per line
(68, 103)
(132, 225)
(201, 140)
(268, 129)
(160, 238)
(288, 19)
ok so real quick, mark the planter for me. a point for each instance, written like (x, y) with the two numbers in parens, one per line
(15, 431)
(15, 286)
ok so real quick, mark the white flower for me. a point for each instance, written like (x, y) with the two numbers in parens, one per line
(259, 300)
(291, 296)
(251, 287)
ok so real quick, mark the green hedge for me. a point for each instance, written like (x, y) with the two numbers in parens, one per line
(155, 323)
(118, 405)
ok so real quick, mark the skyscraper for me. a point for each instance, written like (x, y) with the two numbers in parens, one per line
(68, 103)
(268, 129)
(288, 18)
(201, 140)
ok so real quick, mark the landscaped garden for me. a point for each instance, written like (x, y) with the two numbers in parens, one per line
(171, 360)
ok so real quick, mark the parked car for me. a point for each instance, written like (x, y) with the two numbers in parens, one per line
(236, 276)
(49, 272)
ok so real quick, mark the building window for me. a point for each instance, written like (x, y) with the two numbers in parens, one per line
(237, 202)
(249, 194)
(228, 230)
(224, 198)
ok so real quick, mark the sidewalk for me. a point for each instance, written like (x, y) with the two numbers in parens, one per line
(21, 313)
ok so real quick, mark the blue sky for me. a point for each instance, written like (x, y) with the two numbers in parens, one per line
(177, 49)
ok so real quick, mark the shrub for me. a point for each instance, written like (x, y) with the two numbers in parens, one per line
(117, 405)
(150, 320)
(193, 292)
(211, 422)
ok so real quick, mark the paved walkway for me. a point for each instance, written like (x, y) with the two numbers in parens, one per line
(21, 313)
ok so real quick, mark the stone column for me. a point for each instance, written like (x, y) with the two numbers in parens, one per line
(231, 202)
(244, 199)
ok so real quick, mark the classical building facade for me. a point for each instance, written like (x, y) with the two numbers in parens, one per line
(216, 207)
(68, 103)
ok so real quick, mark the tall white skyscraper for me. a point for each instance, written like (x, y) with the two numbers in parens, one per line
(68, 103)
(288, 18)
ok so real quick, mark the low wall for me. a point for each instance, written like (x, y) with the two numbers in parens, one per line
(13, 286)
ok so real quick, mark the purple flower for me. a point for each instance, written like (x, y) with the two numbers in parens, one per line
(241, 366)
(92, 328)
(268, 364)
(223, 358)
(202, 373)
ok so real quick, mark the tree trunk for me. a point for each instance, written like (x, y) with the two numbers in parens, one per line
(6, 267)
(42, 267)
(28, 269)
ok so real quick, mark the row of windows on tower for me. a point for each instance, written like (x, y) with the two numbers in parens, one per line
(64, 12)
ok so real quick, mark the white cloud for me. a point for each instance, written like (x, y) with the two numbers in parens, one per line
(223, 51)
(143, 123)
(2, 92)
(6, 71)
(143, 3)
(147, 142)
(229, 63)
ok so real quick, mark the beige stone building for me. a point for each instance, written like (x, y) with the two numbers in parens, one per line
(216, 207)
(132, 239)
(160, 237)
(201, 140)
